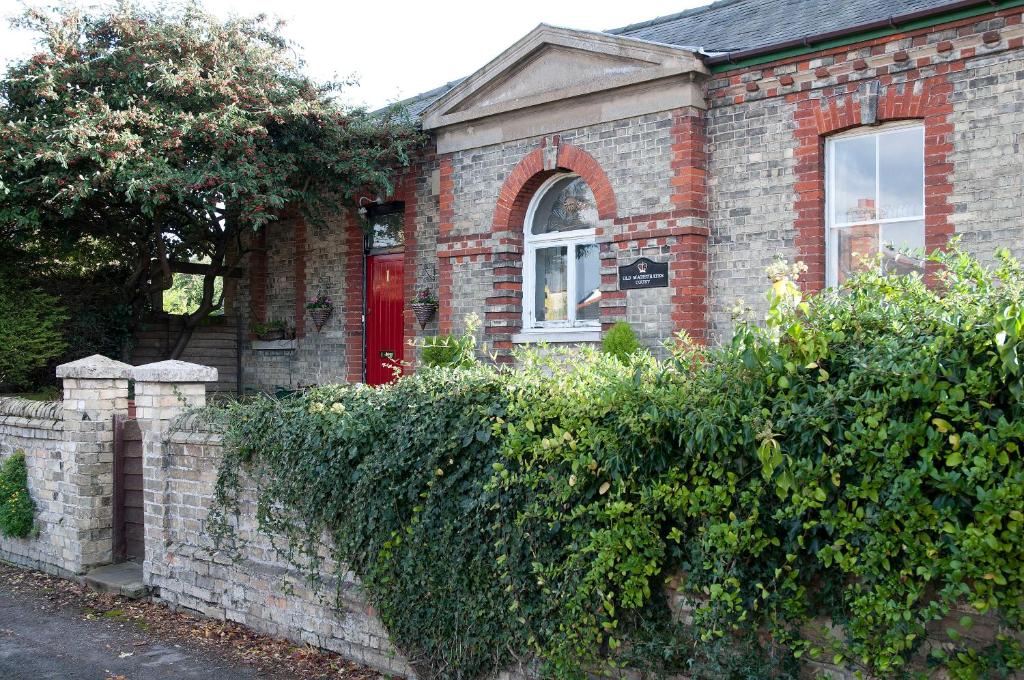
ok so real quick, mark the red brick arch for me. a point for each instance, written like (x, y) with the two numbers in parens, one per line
(523, 182)
(505, 305)
(926, 100)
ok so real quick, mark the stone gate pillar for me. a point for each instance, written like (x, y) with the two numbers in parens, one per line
(163, 391)
(95, 390)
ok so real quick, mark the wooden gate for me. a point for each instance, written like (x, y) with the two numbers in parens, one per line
(129, 524)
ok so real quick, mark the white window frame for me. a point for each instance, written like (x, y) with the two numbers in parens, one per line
(531, 243)
(831, 229)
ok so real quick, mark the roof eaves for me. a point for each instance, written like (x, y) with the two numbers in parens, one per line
(891, 24)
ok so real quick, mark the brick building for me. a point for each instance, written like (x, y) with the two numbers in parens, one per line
(713, 141)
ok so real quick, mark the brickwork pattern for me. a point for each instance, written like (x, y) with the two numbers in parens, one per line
(260, 590)
(37, 429)
(963, 79)
(747, 173)
(988, 153)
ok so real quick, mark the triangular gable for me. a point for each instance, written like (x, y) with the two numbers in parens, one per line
(552, 64)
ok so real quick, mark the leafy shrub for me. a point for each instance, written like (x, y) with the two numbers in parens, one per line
(440, 350)
(29, 331)
(17, 509)
(858, 456)
(620, 341)
(451, 351)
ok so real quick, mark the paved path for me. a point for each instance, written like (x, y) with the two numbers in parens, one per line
(38, 642)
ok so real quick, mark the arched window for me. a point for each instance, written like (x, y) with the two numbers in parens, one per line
(561, 269)
(875, 199)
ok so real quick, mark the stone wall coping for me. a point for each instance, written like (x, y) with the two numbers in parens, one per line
(34, 410)
(174, 371)
(97, 367)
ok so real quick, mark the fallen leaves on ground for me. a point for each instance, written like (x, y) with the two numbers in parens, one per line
(276, 657)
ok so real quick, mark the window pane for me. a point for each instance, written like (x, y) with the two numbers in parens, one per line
(853, 197)
(588, 283)
(901, 174)
(854, 246)
(551, 289)
(903, 236)
(387, 230)
(567, 205)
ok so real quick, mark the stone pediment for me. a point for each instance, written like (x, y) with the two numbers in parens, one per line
(553, 64)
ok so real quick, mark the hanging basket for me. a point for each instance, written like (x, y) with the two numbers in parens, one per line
(424, 312)
(320, 315)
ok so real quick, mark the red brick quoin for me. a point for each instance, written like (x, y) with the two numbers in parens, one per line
(505, 306)
(925, 100)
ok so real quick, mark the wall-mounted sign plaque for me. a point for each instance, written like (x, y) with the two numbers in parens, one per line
(643, 273)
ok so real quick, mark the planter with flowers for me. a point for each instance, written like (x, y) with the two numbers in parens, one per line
(269, 331)
(424, 305)
(320, 309)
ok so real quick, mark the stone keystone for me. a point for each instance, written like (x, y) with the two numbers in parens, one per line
(173, 371)
(96, 367)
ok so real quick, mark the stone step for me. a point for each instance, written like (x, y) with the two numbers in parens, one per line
(123, 579)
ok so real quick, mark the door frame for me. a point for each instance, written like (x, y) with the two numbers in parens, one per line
(369, 252)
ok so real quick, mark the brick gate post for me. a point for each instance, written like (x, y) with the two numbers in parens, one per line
(163, 391)
(95, 390)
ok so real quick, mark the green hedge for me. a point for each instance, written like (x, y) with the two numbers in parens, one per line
(620, 341)
(30, 335)
(857, 456)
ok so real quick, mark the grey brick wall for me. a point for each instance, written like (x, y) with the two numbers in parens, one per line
(750, 203)
(988, 177)
(37, 429)
(318, 357)
(260, 589)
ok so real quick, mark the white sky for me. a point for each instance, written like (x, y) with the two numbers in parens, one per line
(398, 48)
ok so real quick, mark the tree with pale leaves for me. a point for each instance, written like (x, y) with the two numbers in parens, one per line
(169, 135)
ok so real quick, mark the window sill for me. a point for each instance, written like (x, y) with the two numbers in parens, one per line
(269, 345)
(557, 335)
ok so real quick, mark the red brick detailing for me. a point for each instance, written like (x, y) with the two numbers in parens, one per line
(504, 307)
(926, 100)
(408, 195)
(688, 242)
(752, 86)
(969, 32)
(352, 310)
(446, 203)
(584, 165)
(689, 281)
(258, 278)
(447, 198)
(990, 37)
(821, 72)
(689, 160)
(299, 237)
(786, 80)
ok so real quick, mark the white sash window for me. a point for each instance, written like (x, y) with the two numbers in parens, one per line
(875, 199)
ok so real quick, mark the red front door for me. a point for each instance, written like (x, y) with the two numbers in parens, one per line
(385, 337)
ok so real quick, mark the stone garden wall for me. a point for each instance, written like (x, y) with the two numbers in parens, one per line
(259, 589)
(37, 429)
(69, 453)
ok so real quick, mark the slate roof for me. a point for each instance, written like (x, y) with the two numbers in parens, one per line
(741, 25)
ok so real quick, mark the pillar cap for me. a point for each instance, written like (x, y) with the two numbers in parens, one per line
(173, 371)
(96, 367)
